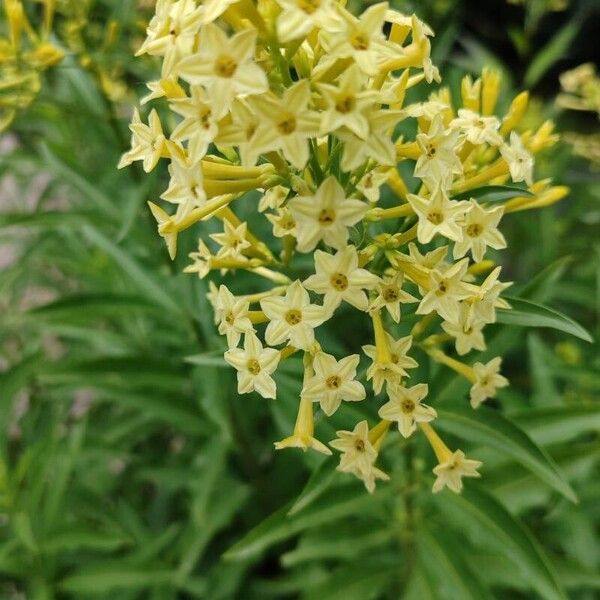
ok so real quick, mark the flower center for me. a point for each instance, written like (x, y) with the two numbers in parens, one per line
(431, 150)
(474, 230)
(326, 217)
(253, 366)
(442, 287)
(345, 104)
(390, 294)
(293, 316)
(225, 66)
(309, 6)
(333, 382)
(288, 222)
(339, 281)
(359, 445)
(229, 318)
(394, 358)
(359, 40)
(287, 124)
(205, 114)
(407, 406)
(435, 217)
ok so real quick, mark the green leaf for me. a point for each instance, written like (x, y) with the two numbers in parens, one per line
(91, 192)
(340, 503)
(530, 314)
(553, 51)
(489, 428)
(108, 579)
(554, 424)
(444, 563)
(539, 288)
(480, 513)
(79, 538)
(86, 306)
(146, 282)
(320, 480)
(494, 193)
(208, 359)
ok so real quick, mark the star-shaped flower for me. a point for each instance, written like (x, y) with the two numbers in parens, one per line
(520, 161)
(325, 216)
(446, 290)
(233, 240)
(479, 230)
(231, 314)
(358, 455)
(438, 214)
(333, 382)
(287, 123)
(390, 295)
(406, 409)
(254, 365)
(339, 278)
(391, 372)
(439, 162)
(225, 66)
(488, 381)
(450, 473)
(292, 317)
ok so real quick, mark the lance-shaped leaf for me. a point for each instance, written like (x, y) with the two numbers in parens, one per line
(481, 514)
(491, 429)
(531, 314)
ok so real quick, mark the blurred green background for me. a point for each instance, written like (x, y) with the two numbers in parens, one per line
(130, 468)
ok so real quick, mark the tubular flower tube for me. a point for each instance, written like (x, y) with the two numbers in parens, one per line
(297, 113)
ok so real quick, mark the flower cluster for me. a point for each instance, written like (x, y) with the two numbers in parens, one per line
(24, 54)
(307, 103)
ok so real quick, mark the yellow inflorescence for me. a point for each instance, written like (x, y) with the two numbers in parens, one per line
(302, 101)
(24, 54)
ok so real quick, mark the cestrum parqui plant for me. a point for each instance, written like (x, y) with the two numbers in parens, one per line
(307, 104)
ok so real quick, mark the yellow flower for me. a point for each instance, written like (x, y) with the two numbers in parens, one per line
(333, 382)
(479, 230)
(450, 472)
(287, 124)
(186, 186)
(325, 216)
(488, 380)
(254, 365)
(231, 315)
(392, 371)
(225, 66)
(299, 17)
(199, 125)
(292, 318)
(447, 289)
(406, 409)
(347, 104)
(358, 455)
(439, 162)
(438, 214)
(520, 162)
(339, 278)
(360, 39)
(148, 142)
(390, 294)
(233, 240)
(466, 332)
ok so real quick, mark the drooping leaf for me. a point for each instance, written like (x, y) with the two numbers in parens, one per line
(480, 513)
(531, 314)
(493, 430)
(445, 565)
(552, 52)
